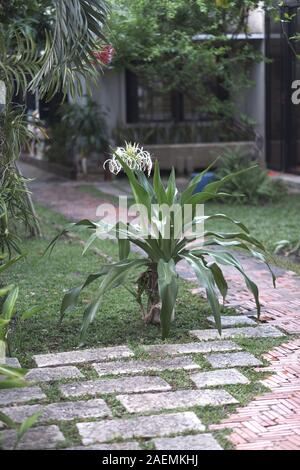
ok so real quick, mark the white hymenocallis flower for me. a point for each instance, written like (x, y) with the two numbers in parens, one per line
(134, 156)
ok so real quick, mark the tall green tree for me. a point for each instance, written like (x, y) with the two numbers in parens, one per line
(187, 46)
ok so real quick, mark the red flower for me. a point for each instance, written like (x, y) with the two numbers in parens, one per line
(105, 55)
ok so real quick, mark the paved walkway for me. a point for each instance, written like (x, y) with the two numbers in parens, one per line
(275, 416)
(272, 421)
(60, 194)
(153, 412)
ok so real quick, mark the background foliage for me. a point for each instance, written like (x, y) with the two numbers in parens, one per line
(46, 46)
(80, 129)
(251, 187)
(156, 40)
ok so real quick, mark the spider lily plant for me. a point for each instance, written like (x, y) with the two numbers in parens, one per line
(156, 287)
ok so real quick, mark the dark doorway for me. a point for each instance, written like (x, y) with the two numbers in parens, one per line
(283, 116)
(49, 109)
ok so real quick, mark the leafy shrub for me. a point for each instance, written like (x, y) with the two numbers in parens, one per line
(247, 187)
(11, 377)
(82, 130)
(288, 247)
(15, 201)
(156, 289)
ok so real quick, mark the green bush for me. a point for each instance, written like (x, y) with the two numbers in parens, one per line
(80, 130)
(250, 187)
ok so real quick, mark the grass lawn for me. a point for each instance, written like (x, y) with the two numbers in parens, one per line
(269, 223)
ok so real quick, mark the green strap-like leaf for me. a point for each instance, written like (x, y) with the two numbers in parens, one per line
(144, 181)
(158, 186)
(229, 259)
(12, 261)
(123, 244)
(72, 227)
(236, 236)
(219, 279)
(168, 290)
(13, 383)
(7, 421)
(124, 248)
(26, 425)
(5, 290)
(29, 313)
(89, 242)
(8, 308)
(115, 277)
(140, 194)
(88, 317)
(189, 191)
(171, 191)
(13, 372)
(211, 190)
(71, 298)
(206, 278)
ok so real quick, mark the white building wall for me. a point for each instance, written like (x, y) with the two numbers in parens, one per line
(110, 94)
(256, 21)
(253, 102)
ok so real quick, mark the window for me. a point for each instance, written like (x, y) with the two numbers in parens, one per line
(147, 105)
(153, 106)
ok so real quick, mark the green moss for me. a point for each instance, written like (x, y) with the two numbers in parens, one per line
(178, 379)
(70, 433)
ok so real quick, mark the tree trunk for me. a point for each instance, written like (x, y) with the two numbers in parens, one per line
(152, 316)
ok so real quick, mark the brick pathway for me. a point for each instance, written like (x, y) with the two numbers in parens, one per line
(268, 422)
(272, 421)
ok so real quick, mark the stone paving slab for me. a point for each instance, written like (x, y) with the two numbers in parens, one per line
(171, 400)
(63, 411)
(239, 359)
(120, 446)
(137, 384)
(20, 395)
(191, 348)
(49, 374)
(260, 331)
(39, 438)
(139, 427)
(215, 378)
(133, 367)
(229, 321)
(195, 442)
(82, 355)
(12, 362)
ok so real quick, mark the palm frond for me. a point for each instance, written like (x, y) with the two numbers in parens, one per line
(67, 57)
(19, 60)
